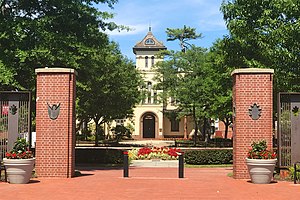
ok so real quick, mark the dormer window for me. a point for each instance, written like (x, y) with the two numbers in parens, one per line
(149, 41)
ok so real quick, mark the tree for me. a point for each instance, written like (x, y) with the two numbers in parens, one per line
(221, 106)
(185, 76)
(265, 33)
(110, 89)
(188, 69)
(49, 33)
(183, 35)
(68, 33)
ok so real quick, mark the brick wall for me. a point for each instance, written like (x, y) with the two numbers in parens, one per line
(55, 139)
(250, 86)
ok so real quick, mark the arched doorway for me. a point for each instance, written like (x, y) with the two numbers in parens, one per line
(149, 126)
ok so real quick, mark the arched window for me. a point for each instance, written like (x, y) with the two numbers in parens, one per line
(149, 41)
(152, 60)
(146, 61)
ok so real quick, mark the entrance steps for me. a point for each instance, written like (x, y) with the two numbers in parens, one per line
(154, 163)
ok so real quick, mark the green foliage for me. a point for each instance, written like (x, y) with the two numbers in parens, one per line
(214, 142)
(145, 153)
(259, 151)
(99, 156)
(183, 35)
(68, 33)
(121, 132)
(259, 146)
(292, 172)
(20, 150)
(109, 88)
(187, 77)
(265, 34)
(198, 80)
(208, 156)
(49, 33)
(221, 106)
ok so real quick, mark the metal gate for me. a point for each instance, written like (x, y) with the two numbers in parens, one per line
(288, 129)
(15, 119)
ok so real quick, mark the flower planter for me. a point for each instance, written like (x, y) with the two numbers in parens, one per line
(261, 170)
(19, 171)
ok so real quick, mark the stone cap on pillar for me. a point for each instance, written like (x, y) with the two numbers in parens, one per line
(56, 70)
(252, 71)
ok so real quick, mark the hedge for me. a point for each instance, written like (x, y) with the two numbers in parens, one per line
(99, 156)
(208, 156)
(115, 156)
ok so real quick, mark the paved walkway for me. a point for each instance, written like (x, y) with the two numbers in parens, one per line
(149, 183)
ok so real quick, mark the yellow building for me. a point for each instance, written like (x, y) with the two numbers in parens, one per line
(150, 118)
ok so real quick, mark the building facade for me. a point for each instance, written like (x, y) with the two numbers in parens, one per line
(150, 118)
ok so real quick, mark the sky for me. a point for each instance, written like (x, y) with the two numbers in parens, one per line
(204, 15)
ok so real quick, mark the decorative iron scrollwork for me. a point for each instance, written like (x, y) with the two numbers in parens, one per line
(295, 111)
(53, 111)
(13, 109)
(255, 111)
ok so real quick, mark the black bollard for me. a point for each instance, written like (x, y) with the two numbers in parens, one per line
(181, 165)
(295, 172)
(126, 167)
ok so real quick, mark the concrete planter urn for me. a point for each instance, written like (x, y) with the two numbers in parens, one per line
(261, 162)
(19, 162)
(19, 171)
(261, 170)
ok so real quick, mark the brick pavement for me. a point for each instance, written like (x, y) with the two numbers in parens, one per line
(148, 183)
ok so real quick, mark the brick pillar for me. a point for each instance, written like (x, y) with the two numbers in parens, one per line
(250, 85)
(55, 138)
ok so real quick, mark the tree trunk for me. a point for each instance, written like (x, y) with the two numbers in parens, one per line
(96, 120)
(204, 129)
(96, 136)
(226, 122)
(196, 125)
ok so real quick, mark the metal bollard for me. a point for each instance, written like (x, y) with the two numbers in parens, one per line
(181, 165)
(126, 167)
(295, 172)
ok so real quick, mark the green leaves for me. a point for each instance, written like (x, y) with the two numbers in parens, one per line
(265, 34)
(50, 33)
(183, 35)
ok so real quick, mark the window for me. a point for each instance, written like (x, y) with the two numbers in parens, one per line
(174, 125)
(149, 85)
(173, 101)
(152, 61)
(149, 42)
(120, 122)
(155, 97)
(146, 61)
(149, 97)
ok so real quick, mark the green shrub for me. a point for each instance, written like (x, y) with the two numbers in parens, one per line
(215, 142)
(292, 171)
(208, 156)
(99, 156)
(121, 132)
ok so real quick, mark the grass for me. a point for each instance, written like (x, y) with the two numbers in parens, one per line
(230, 174)
(99, 165)
(121, 165)
(207, 166)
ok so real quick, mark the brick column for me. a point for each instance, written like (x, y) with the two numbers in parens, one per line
(250, 86)
(55, 138)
